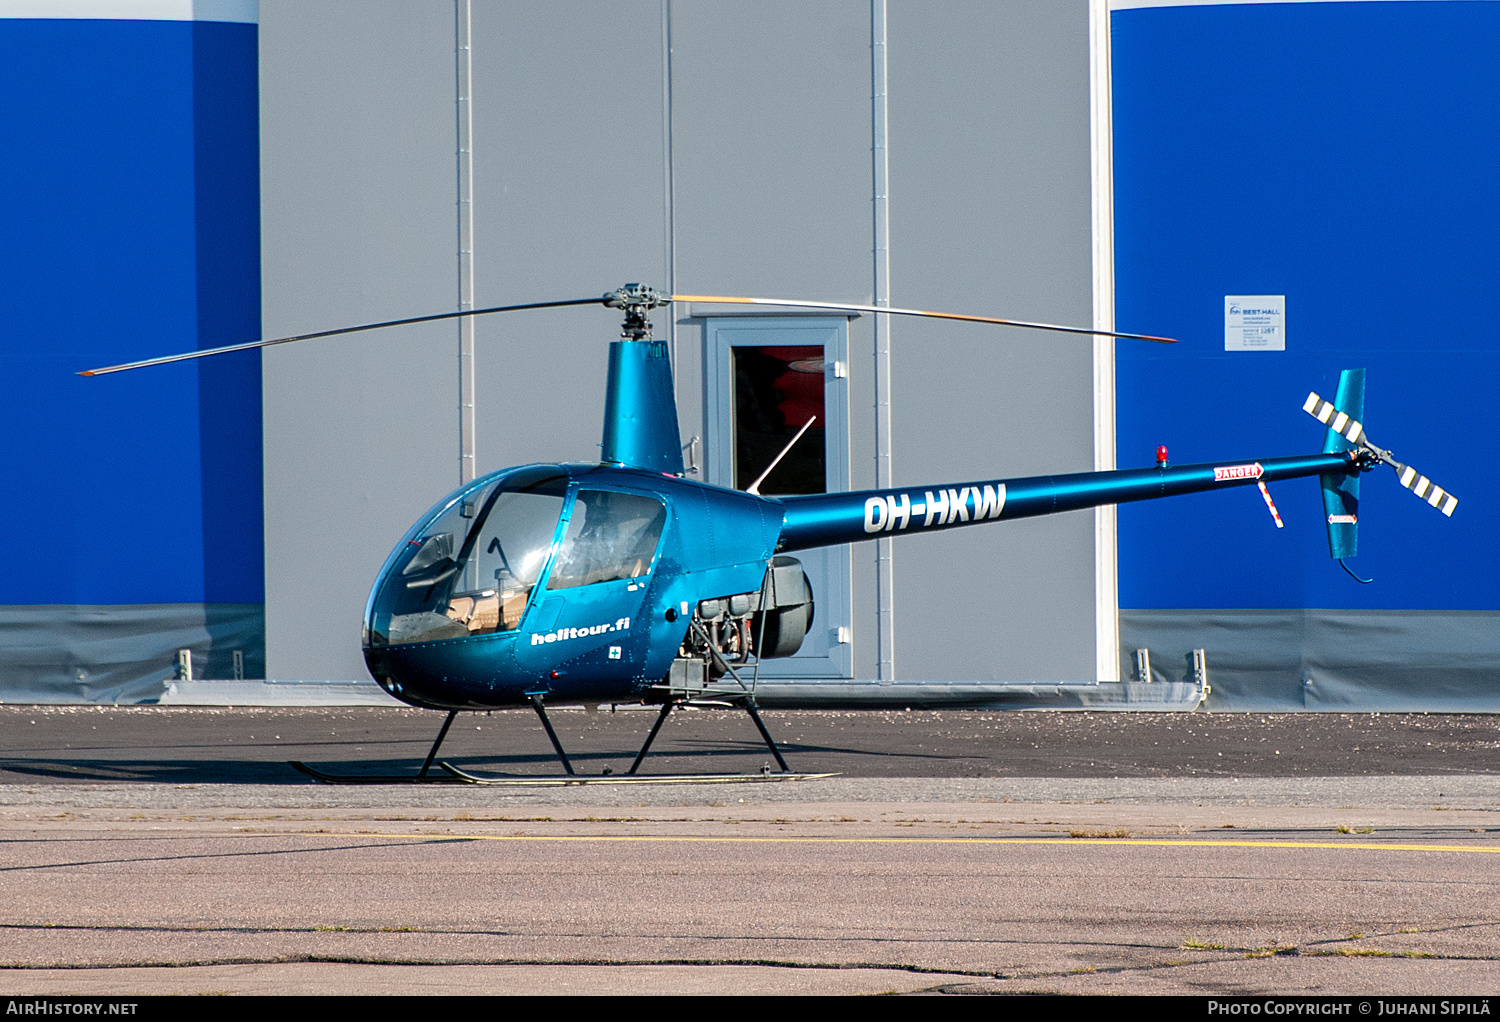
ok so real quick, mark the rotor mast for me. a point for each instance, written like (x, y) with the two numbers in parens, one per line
(640, 405)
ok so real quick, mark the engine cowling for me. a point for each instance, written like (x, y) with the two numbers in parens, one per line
(789, 609)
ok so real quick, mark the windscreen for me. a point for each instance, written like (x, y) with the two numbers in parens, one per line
(470, 570)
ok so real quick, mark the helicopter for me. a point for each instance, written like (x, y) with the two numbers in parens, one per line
(623, 580)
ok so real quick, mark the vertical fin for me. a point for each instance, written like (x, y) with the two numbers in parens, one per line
(1341, 490)
(640, 408)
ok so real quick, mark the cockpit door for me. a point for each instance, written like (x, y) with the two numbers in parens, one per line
(588, 618)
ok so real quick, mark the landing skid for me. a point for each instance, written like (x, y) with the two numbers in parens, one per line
(451, 774)
(565, 781)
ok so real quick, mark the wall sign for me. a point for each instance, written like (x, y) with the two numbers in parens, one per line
(1255, 322)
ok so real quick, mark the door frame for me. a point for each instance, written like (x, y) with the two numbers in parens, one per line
(833, 618)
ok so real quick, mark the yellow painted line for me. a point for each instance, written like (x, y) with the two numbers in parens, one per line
(706, 839)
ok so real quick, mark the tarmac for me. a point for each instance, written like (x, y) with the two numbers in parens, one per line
(156, 850)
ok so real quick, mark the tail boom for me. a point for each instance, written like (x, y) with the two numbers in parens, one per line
(830, 518)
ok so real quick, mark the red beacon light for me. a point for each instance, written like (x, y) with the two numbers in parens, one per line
(1161, 456)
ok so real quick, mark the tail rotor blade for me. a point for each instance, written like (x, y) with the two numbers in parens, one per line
(1324, 412)
(1425, 488)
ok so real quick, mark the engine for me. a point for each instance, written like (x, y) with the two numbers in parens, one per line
(727, 631)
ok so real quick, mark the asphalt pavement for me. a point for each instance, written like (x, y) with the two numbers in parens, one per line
(46, 744)
(171, 850)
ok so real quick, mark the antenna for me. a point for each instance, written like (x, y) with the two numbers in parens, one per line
(755, 486)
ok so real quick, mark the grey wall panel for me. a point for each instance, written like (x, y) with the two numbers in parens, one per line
(862, 477)
(772, 143)
(569, 201)
(990, 213)
(125, 653)
(358, 191)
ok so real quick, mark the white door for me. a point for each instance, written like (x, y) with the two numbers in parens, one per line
(767, 377)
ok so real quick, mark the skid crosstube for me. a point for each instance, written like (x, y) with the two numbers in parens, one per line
(420, 777)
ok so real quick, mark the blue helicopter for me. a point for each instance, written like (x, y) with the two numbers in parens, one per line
(623, 581)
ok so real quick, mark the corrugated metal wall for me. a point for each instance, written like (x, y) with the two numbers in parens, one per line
(129, 198)
(745, 170)
(1341, 155)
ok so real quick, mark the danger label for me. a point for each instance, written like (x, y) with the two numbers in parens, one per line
(1223, 472)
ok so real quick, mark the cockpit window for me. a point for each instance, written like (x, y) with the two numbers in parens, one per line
(471, 568)
(434, 549)
(610, 536)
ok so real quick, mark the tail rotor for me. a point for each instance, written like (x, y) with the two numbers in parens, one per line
(1351, 430)
(1346, 435)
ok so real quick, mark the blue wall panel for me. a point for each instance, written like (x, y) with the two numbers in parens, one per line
(1344, 155)
(226, 151)
(129, 208)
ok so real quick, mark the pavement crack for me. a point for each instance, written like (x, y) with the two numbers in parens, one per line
(363, 846)
(568, 935)
(774, 963)
(535, 962)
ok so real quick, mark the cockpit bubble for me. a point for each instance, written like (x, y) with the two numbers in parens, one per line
(472, 562)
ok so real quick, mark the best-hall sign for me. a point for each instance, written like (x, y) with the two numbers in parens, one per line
(1255, 322)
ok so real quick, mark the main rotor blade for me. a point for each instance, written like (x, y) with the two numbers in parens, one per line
(840, 306)
(333, 333)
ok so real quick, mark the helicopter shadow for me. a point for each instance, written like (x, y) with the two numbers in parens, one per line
(694, 756)
(500, 744)
(682, 756)
(181, 771)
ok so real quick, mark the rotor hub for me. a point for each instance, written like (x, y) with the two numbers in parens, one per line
(637, 301)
